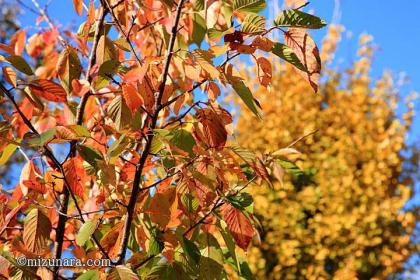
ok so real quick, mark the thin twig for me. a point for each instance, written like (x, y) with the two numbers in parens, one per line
(145, 154)
(301, 138)
(43, 12)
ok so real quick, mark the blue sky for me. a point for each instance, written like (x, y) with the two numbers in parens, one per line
(394, 24)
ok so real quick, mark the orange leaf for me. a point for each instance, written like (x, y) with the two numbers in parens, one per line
(48, 90)
(162, 208)
(9, 75)
(265, 65)
(112, 239)
(18, 42)
(53, 180)
(213, 128)
(239, 225)
(213, 91)
(132, 97)
(263, 43)
(30, 179)
(73, 170)
(78, 6)
(307, 52)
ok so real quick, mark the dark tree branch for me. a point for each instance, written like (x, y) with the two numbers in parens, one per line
(145, 154)
(63, 207)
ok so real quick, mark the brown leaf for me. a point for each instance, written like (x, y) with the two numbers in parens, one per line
(263, 43)
(307, 51)
(239, 225)
(213, 128)
(48, 90)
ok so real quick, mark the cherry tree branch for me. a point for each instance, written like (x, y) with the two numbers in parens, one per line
(145, 154)
(63, 207)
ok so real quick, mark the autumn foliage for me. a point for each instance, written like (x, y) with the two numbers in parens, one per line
(130, 160)
(336, 210)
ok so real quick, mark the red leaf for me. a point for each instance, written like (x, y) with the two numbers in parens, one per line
(73, 170)
(48, 90)
(307, 52)
(239, 225)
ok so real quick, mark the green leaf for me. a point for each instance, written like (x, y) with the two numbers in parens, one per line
(121, 272)
(118, 147)
(173, 271)
(190, 202)
(68, 68)
(246, 271)
(214, 34)
(199, 29)
(8, 152)
(90, 155)
(122, 44)
(20, 64)
(251, 6)
(289, 166)
(246, 95)
(119, 112)
(287, 54)
(241, 201)
(210, 269)
(183, 140)
(191, 250)
(230, 243)
(105, 50)
(297, 18)
(105, 73)
(86, 231)
(79, 130)
(36, 231)
(89, 275)
(253, 23)
(155, 245)
(40, 140)
(244, 153)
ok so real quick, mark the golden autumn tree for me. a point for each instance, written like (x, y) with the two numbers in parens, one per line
(130, 170)
(340, 214)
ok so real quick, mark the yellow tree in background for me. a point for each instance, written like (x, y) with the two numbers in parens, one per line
(341, 216)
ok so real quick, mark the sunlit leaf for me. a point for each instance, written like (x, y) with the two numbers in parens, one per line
(297, 18)
(48, 90)
(86, 231)
(20, 64)
(36, 231)
(252, 6)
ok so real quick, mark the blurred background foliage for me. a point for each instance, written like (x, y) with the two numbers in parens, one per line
(343, 216)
